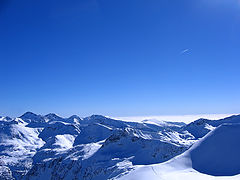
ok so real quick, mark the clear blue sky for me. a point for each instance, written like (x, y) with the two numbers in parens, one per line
(119, 57)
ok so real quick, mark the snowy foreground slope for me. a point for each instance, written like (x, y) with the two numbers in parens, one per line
(96, 147)
(216, 156)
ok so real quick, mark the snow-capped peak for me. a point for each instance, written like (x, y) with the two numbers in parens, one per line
(95, 147)
(31, 117)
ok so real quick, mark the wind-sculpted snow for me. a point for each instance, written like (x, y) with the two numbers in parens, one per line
(96, 147)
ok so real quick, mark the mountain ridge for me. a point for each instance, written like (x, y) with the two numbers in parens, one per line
(99, 147)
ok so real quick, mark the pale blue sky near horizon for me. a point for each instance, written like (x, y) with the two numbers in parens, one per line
(120, 58)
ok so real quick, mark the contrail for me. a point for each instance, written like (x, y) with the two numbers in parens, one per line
(184, 51)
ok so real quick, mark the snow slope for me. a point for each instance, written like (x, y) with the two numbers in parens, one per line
(96, 147)
(108, 158)
(103, 148)
(218, 153)
(216, 156)
(18, 144)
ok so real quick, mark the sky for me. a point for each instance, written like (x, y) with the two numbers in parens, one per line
(120, 58)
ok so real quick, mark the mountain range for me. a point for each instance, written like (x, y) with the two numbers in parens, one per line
(50, 147)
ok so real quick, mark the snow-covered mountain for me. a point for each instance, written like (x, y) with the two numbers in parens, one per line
(96, 147)
(216, 156)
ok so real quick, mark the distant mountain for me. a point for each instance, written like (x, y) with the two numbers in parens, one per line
(201, 127)
(95, 147)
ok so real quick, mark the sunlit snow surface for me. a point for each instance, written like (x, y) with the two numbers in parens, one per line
(216, 156)
(18, 144)
(35, 147)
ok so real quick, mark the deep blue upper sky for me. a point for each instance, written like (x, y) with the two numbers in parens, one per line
(119, 57)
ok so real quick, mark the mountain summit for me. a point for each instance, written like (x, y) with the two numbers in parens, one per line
(34, 147)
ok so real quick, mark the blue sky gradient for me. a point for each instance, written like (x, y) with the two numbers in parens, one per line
(119, 57)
